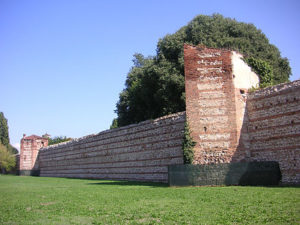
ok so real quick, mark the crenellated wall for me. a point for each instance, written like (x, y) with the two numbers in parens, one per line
(274, 127)
(140, 152)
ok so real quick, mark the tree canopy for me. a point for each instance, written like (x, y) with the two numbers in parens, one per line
(155, 85)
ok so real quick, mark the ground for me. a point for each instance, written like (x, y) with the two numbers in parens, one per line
(40, 200)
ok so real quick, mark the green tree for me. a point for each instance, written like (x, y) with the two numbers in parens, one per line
(7, 159)
(4, 136)
(114, 124)
(155, 85)
(59, 139)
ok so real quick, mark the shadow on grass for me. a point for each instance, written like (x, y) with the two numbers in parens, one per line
(129, 183)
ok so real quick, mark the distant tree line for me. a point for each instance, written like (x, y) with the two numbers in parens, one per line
(58, 139)
(155, 85)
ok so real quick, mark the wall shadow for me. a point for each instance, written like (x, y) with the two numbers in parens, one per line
(244, 170)
(130, 183)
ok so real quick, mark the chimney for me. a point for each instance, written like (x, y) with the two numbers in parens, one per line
(24, 135)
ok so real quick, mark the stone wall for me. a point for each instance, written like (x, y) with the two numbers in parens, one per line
(136, 152)
(227, 123)
(274, 127)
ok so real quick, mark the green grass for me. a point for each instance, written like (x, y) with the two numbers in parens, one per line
(39, 200)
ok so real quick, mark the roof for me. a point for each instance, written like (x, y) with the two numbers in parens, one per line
(31, 137)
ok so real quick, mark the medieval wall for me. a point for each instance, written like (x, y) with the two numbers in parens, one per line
(274, 127)
(136, 152)
(227, 123)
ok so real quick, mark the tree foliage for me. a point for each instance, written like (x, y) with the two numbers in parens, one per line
(4, 136)
(155, 85)
(114, 124)
(59, 139)
(7, 159)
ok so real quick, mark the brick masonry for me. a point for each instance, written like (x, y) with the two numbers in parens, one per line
(136, 152)
(214, 105)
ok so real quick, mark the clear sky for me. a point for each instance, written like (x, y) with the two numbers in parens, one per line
(63, 63)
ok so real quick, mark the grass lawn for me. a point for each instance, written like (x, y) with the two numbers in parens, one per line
(40, 200)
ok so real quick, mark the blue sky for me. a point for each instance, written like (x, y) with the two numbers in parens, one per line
(63, 63)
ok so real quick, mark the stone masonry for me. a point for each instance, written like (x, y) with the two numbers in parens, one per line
(274, 127)
(140, 152)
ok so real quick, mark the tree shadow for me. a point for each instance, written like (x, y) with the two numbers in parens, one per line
(130, 183)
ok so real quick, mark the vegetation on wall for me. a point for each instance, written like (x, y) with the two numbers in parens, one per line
(155, 85)
(188, 145)
(59, 139)
(264, 70)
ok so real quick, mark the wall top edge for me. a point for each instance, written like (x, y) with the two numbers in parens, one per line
(201, 47)
(174, 116)
(274, 89)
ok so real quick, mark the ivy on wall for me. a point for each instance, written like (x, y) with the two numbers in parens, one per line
(264, 70)
(188, 145)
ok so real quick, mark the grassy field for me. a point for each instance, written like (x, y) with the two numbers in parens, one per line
(38, 200)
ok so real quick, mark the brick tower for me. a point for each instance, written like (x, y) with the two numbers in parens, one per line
(30, 146)
(216, 82)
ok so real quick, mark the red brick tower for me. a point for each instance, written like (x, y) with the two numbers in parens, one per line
(216, 81)
(30, 147)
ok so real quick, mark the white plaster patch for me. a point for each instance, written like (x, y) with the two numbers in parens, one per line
(214, 137)
(221, 144)
(208, 55)
(214, 120)
(212, 111)
(209, 63)
(211, 103)
(209, 86)
(208, 70)
(244, 77)
(209, 78)
(215, 94)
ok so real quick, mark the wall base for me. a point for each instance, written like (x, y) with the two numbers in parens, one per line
(242, 173)
(29, 172)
